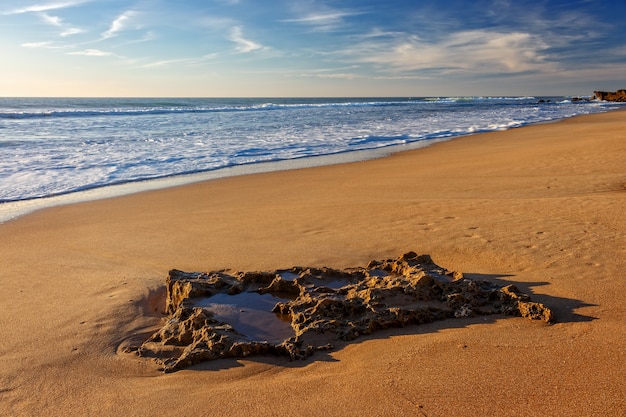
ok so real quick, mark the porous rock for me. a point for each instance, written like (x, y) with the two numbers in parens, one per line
(324, 305)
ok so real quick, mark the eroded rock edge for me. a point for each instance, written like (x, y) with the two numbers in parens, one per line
(400, 292)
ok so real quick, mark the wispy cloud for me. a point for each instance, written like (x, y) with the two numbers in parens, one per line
(378, 33)
(46, 45)
(320, 17)
(91, 52)
(58, 22)
(53, 20)
(466, 51)
(36, 45)
(47, 6)
(243, 45)
(119, 24)
(71, 31)
(182, 61)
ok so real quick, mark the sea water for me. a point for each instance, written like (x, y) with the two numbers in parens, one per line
(56, 150)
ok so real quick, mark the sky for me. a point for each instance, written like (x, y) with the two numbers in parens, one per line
(310, 48)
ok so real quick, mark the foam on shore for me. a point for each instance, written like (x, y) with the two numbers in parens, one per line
(14, 209)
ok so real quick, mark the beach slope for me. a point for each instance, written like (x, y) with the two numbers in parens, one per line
(541, 207)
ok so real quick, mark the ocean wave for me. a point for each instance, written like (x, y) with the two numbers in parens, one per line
(78, 148)
(45, 113)
(63, 113)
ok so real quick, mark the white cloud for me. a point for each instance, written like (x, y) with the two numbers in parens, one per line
(119, 24)
(243, 45)
(58, 22)
(47, 6)
(53, 20)
(466, 51)
(378, 33)
(321, 18)
(166, 62)
(179, 61)
(36, 45)
(91, 52)
(71, 31)
(45, 45)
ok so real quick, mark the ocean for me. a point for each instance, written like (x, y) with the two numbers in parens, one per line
(57, 150)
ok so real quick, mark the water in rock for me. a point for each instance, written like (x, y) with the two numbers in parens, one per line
(250, 314)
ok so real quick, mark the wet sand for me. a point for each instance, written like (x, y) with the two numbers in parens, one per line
(540, 206)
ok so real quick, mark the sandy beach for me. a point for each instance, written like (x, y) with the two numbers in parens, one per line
(540, 206)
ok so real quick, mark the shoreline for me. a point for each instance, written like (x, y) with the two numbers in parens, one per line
(11, 210)
(540, 207)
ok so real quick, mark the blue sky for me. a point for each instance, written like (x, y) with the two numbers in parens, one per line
(272, 48)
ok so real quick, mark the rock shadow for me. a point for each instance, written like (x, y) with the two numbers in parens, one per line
(563, 308)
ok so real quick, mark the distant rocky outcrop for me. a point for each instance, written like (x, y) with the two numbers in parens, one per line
(619, 95)
(318, 306)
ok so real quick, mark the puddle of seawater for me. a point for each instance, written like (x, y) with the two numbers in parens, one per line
(335, 284)
(250, 314)
(287, 276)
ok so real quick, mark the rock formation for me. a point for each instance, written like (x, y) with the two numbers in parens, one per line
(619, 95)
(322, 305)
